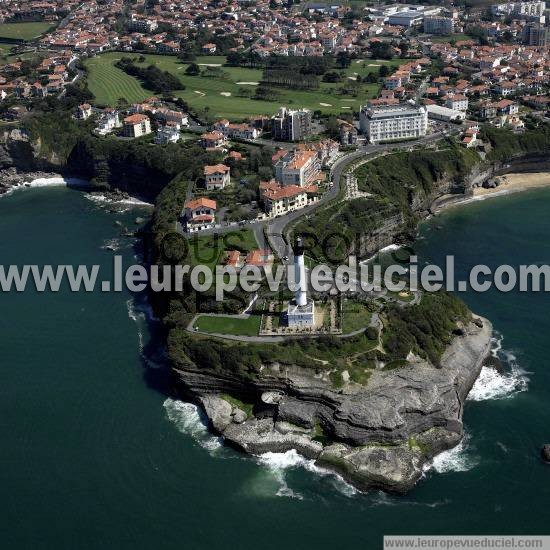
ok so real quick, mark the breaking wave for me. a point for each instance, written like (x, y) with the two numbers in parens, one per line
(457, 459)
(189, 421)
(492, 384)
(53, 181)
(279, 463)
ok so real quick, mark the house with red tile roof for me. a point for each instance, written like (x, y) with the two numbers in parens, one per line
(199, 214)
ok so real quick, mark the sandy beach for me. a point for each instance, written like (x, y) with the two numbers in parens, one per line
(511, 183)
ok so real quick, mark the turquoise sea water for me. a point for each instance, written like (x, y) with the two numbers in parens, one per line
(95, 452)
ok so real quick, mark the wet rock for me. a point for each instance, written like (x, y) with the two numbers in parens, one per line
(545, 453)
(378, 435)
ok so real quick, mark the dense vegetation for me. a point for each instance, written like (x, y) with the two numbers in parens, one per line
(507, 145)
(402, 175)
(333, 233)
(425, 328)
(244, 360)
(152, 77)
(397, 182)
(136, 166)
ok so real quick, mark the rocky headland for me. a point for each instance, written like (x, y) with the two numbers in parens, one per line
(379, 435)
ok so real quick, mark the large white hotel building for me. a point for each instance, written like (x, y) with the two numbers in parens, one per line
(393, 122)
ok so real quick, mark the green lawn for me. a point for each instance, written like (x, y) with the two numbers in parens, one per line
(456, 37)
(109, 83)
(229, 325)
(354, 316)
(23, 31)
(207, 250)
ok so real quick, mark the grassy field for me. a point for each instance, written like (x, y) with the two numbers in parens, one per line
(7, 57)
(208, 250)
(23, 31)
(354, 316)
(448, 37)
(228, 325)
(221, 95)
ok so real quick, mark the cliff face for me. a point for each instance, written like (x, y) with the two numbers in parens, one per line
(18, 151)
(378, 435)
(114, 170)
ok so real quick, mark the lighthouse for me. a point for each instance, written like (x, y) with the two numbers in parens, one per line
(300, 297)
(301, 310)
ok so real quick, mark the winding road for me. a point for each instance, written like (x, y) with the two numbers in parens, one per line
(275, 228)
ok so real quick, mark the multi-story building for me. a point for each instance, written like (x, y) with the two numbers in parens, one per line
(348, 134)
(217, 176)
(142, 24)
(280, 199)
(137, 125)
(394, 122)
(169, 133)
(108, 121)
(524, 10)
(237, 131)
(297, 168)
(438, 25)
(457, 102)
(213, 140)
(535, 34)
(289, 125)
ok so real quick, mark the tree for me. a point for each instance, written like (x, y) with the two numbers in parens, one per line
(332, 76)
(343, 60)
(381, 50)
(193, 70)
(371, 78)
(384, 71)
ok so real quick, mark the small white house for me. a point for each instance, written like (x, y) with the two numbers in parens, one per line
(169, 133)
(217, 176)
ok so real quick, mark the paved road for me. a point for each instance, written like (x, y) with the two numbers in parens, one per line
(275, 228)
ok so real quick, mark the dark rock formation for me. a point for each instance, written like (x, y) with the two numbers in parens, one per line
(379, 435)
(545, 453)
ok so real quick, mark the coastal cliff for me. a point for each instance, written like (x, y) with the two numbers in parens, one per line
(378, 435)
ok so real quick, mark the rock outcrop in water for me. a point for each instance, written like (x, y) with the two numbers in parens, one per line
(376, 436)
(545, 453)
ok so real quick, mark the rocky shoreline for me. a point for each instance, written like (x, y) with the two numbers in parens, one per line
(11, 178)
(382, 435)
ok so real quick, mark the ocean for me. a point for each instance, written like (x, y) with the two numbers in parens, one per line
(97, 453)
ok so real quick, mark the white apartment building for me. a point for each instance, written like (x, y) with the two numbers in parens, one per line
(142, 24)
(457, 102)
(279, 199)
(170, 133)
(136, 126)
(523, 10)
(395, 122)
(297, 168)
(108, 122)
(438, 25)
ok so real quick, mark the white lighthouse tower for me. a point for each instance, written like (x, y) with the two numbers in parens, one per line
(301, 311)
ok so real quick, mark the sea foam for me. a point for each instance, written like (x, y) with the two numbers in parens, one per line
(492, 384)
(189, 421)
(279, 463)
(457, 459)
